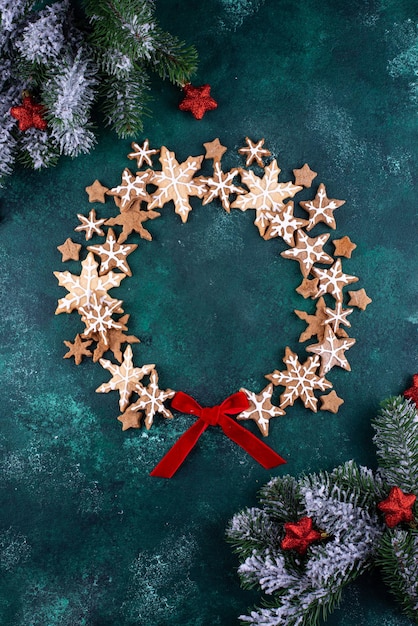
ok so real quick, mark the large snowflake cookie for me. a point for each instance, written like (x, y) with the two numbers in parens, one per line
(277, 216)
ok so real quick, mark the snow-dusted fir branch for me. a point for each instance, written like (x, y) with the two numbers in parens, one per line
(396, 440)
(126, 102)
(127, 42)
(398, 559)
(303, 588)
(68, 66)
(358, 518)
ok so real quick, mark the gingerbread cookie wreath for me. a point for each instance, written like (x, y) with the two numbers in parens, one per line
(138, 198)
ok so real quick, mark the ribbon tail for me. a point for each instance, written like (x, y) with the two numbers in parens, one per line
(264, 455)
(171, 461)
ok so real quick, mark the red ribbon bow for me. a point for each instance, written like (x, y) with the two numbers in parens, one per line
(214, 416)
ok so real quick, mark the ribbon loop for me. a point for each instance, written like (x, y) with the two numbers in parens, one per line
(186, 404)
(218, 415)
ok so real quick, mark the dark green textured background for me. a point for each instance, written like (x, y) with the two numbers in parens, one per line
(86, 536)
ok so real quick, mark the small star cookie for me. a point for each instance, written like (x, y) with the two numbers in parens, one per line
(96, 192)
(331, 402)
(304, 176)
(130, 419)
(214, 150)
(344, 247)
(359, 299)
(70, 251)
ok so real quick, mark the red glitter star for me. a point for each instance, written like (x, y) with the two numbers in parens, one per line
(300, 535)
(29, 114)
(412, 392)
(197, 100)
(397, 507)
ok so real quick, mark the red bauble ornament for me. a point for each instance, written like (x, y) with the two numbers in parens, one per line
(397, 507)
(300, 535)
(197, 100)
(412, 392)
(29, 114)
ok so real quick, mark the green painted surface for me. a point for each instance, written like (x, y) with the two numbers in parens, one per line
(86, 536)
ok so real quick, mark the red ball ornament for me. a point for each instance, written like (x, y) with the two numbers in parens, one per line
(397, 507)
(412, 392)
(300, 535)
(29, 114)
(197, 100)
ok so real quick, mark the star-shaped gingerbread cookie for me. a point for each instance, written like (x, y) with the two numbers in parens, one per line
(307, 251)
(130, 419)
(142, 153)
(331, 402)
(214, 150)
(77, 349)
(90, 224)
(333, 280)
(113, 254)
(151, 400)
(254, 151)
(70, 251)
(321, 208)
(359, 298)
(344, 247)
(96, 192)
(304, 176)
(260, 408)
(331, 351)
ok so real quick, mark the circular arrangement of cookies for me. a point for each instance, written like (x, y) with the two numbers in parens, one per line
(105, 265)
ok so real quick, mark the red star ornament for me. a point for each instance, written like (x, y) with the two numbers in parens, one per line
(397, 507)
(29, 115)
(300, 535)
(197, 100)
(412, 392)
